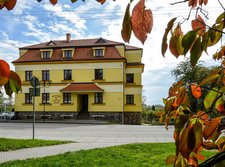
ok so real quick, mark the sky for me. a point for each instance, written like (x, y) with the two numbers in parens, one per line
(31, 22)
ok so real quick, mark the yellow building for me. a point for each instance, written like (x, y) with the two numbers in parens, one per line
(81, 79)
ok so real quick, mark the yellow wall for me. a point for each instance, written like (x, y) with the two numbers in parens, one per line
(136, 107)
(111, 102)
(133, 56)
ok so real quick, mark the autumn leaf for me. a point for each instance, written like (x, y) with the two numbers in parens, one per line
(126, 29)
(101, 1)
(14, 84)
(53, 2)
(199, 24)
(4, 72)
(211, 127)
(209, 145)
(171, 159)
(142, 21)
(10, 4)
(221, 142)
(164, 41)
(196, 91)
(172, 46)
(211, 97)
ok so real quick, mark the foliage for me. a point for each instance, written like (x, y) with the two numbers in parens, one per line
(14, 144)
(8, 78)
(147, 154)
(196, 127)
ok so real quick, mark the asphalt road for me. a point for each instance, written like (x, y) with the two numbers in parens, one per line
(88, 133)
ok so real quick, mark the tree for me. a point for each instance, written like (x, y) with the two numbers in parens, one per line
(185, 72)
(194, 128)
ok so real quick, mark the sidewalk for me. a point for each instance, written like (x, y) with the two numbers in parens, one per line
(50, 150)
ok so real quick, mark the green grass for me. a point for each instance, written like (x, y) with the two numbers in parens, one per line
(14, 144)
(131, 155)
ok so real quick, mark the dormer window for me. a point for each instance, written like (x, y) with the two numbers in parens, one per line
(46, 55)
(98, 51)
(67, 53)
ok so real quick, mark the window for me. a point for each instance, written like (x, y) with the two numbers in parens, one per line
(98, 52)
(67, 53)
(98, 98)
(46, 54)
(28, 75)
(130, 78)
(66, 98)
(129, 99)
(67, 74)
(45, 98)
(45, 75)
(98, 73)
(28, 98)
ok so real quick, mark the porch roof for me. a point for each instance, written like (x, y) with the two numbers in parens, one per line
(82, 87)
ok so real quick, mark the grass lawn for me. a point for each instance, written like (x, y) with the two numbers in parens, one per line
(131, 155)
(14, 144)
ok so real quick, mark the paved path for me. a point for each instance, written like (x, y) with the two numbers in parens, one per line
(87, 137)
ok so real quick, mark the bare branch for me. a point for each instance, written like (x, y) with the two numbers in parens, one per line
(179, 2)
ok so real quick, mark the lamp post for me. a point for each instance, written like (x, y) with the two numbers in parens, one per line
(44, 86)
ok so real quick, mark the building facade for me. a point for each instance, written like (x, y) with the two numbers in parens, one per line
(81, 79)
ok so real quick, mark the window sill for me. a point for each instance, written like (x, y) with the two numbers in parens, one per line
(67, 80)
(130, 104)
(27, 104)
(67, 103)
(101, 104)
(98, 80)
(46, 81)
(47, 104)
(131, 83)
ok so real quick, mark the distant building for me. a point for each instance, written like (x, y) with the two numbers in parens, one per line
(81, 79)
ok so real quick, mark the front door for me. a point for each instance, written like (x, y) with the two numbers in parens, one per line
(83, 109)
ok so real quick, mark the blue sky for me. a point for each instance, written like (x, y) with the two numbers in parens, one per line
(32, 22)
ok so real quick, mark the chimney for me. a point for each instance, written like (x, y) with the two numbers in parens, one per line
(68, 37)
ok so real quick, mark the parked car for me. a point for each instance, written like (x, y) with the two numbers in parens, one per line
(7, 115)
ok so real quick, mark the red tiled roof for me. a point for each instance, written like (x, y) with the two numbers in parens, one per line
(82, 87)
(85, 53)
(73, 43)
(128, 47)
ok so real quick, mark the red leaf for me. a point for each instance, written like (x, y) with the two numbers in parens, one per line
(101, 1)
(211, 127)
(196, 91)
(199, 24)
(126, 30)
(4, 72)
(142, 21)
(10, 4)
(53, 2)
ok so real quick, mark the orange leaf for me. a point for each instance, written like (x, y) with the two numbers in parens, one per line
(142, 21)
(211, 127)
(126, 30)
(53, 2)
(209, 145)
(199, 24)
(172, 46)
(196, 91)
(205, 2)
(4, 72)
(101, 1)
(171, 159)
(10, 4)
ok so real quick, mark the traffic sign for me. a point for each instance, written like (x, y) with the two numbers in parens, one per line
(34, 81)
